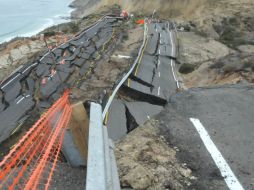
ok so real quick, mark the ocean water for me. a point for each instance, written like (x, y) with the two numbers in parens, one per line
(24, 18)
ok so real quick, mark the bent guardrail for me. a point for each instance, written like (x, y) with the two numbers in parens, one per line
(126, 76)
(101, 164)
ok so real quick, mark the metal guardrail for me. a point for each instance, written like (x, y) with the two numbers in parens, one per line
(101, 164)
(126, 76)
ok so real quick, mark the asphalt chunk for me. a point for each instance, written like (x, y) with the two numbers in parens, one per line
(117, 121)
(11, 115)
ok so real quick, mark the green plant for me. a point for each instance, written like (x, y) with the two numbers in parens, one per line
(74, 27)
(49, 33)
(186, 68)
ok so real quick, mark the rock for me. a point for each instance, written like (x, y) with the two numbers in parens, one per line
(185, 172)
(16, 54)
(195, 49)
(138, 178)
(246, 48)
(145, 161)
(4, 60)
(186, 68)
(235, 62)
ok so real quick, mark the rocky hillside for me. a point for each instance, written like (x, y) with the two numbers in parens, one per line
(165, 8)
(217, 45)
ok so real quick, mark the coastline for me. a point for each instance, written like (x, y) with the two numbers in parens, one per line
(78, 10)
(18, 51)
(23, 50)
(55, 20)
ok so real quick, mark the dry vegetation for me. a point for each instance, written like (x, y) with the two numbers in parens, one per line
(165, 8)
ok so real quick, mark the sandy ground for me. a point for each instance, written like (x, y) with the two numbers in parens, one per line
(146, 161)
(66, 177)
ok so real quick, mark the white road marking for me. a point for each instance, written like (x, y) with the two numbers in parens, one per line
(159, 51)
(159, 62)
(148, 117)
(153, 13)
(171, 62)
(122, 56)
(226, 172)
(127, 74)
(10, 81)
(20, 100)
(159, 74)
(159, 90)
(172, 44)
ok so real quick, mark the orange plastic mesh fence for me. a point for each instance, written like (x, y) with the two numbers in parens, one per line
(32, 161)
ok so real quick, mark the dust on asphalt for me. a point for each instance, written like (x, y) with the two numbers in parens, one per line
(227, 114)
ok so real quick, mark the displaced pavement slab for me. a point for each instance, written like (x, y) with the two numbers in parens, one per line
(164, 38)
(12, 91)
(11, 115)
(164, 83)
(154, 73)
(57, 52)
(79, 62)
(45, 80)
(48, 59)
(2, 106)
(152, 42)
(117, 121)
(138, 87)
(165, 50)
(50, 87)
(43, 70)
(145, 69)
(53, 84)
(226, 113)
(142, 111)
(31, 85)
(84, 69)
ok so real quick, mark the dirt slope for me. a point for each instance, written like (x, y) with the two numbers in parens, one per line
(165, 8)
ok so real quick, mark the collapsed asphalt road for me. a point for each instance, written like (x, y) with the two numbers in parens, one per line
(209, 126)
(155, 75)
(150, 84)
(36, 86)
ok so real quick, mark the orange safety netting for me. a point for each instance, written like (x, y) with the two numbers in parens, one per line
(140, 22)
(32, 161)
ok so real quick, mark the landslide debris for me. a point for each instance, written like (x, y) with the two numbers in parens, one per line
(146, 161)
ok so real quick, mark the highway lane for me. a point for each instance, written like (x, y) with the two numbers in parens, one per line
(223, 118)
(46, 79)
(155, 73)
(124, 116)
(154, 76)
(163, 82)
(116, 120)
(13, 113)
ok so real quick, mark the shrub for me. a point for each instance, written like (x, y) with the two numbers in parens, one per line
(74, 27)
(186, 68)
(49, 33)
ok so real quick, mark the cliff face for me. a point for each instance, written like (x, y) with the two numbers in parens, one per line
(84, 7)
(165, 8)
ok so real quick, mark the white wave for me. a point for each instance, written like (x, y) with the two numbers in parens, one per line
(57, 19)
